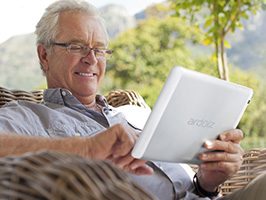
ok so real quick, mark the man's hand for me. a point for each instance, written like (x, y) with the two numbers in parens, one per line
(116, 144)
(223, 162)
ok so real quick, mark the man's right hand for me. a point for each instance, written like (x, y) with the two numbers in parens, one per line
(115, 144)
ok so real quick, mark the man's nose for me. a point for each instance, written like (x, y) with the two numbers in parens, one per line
(89, 58)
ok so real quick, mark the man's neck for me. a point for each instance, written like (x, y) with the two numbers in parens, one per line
(89, 102)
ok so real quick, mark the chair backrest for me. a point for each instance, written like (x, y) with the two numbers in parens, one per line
(115, 98)
(7, 95)
(118, 98)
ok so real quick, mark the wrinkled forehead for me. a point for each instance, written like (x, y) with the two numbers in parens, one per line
(81, 27)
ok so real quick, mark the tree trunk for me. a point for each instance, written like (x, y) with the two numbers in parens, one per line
(223, 57)
(221, 60)
(218, 59)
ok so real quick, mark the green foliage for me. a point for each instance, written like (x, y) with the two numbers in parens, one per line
(253, 123)
(219, 18)
(144, 56)
(253, 142)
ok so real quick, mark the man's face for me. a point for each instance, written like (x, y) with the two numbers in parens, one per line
(78, 73)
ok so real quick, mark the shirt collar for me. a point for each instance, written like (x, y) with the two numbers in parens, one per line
(64, 97)
(54, 95)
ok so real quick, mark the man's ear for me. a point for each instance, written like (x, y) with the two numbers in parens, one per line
(42, 54)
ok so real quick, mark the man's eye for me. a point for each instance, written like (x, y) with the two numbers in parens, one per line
(99, 51)
(75, 47)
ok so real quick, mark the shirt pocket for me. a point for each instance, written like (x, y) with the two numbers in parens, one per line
(74, 128)
(88, 128)
(61, 129)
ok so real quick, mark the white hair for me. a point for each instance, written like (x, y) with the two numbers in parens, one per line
(46, 28)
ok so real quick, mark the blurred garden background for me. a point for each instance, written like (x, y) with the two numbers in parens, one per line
(223, 38)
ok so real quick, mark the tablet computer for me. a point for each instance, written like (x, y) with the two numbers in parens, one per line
(192, 107)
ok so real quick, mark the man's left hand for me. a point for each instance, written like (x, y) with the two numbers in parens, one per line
(222, 162)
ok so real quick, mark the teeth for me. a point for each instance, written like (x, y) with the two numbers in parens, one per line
(85, 74)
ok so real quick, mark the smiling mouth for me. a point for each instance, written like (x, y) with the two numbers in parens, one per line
(85, 74)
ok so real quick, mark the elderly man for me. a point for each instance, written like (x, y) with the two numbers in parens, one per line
(72, 46)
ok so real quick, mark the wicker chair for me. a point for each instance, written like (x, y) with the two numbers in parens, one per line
(254, 160)
(60, 176)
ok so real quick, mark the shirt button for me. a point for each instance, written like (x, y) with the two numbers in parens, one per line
(63, 93)
(77, 134)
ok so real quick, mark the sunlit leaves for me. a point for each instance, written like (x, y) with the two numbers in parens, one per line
(218, 18)
(144, 56)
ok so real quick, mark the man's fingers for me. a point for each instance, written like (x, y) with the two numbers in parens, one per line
(225, 167)
(139, 167)
(143, 170)
(124, 142)
(219, 156)
(123, 139)
(116, 144)
(132, 165)
(234, 135)
(123, 161)
(222, 146)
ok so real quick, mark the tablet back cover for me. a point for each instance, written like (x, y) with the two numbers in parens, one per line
(192, 108)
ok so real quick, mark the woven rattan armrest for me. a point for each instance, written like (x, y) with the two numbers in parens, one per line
(58, 176)
(254, 163)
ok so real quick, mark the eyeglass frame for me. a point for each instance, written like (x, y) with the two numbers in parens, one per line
(84, 50)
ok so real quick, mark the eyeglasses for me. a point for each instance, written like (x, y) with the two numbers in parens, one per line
(83, 50)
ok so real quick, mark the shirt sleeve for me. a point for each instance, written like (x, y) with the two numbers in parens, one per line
(16, 119)
(181, 176)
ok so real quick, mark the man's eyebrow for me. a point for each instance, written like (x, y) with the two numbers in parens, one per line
(77, 41)
(100, 44)
(97, 43)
